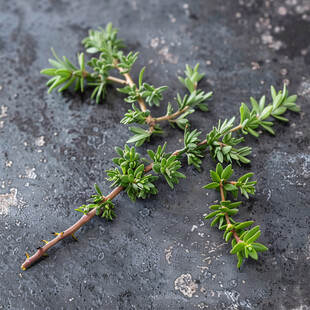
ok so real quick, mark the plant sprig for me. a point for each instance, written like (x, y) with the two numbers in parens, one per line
(132, 176)
(243, 241)
(138, 180)
(108, 47)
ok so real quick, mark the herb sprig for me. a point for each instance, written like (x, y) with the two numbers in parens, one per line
(133, 176)
(138, 180)
(243, 241)
(104, 44)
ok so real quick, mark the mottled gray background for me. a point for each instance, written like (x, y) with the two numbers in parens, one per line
(54, 147)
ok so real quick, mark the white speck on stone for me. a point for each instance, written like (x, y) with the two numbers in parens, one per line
(30, 174)
(303, 52)
(3, 114)
(304, 88)
(169, 57)
(154, 42)
(172, 18)
(267, 39)
(276, 45)
(255, 65)
(186, 285)
(39, 141)
(168, 254)
(283, 71)
(8, 200)
(4, 111)
(238, 15)
(282, 10)
(8, 163)
(194, 227)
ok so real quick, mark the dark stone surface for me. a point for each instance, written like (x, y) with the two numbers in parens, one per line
(54, 147)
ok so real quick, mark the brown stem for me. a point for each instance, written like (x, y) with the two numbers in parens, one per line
(202, 142)
(68, 232)
(227, 216)
(71, 230)
(174, 115)
(171, 116)
(236, 128)
(149, 120)
(116, 80)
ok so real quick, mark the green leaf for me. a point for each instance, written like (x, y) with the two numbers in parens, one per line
(212, 214)
(227, 172)
(240, 259)
(250, 233)
(268, 128)
(219, 169)
(254, 105)
(98, 189)
(219, 156)
(212, 185)
(273, 92)
(141, 77)
(266, 113)
(253, 254)
(238, 247)
(230, 187)
(259, 247)
(262, 103)
(215, 177)
(253, 238)
(243, 225)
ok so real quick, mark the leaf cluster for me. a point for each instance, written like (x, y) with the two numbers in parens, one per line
(102, 41)
(145, 91)
(64, 72)
(221, 177)
(250, 120)
(135, 116)
(167, 165)
(244, 244)
(224, 150)
(131, 174)
(192, 78)
(141, 134)
(103, 207)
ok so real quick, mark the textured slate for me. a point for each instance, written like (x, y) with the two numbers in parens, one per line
(158, 253)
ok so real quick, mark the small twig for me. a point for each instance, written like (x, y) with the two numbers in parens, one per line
(149, 120)
(171, 116)
(236, 128)
(174, 115)
(116, 80)
(227, 216)
(71, 230)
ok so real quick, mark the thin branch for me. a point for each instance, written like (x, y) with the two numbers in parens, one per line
(71, 230)
(68, 232)
(236, 128)
(116, 80)
(174, 115)
(149, 120)
(227, 216)
(171, 116)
